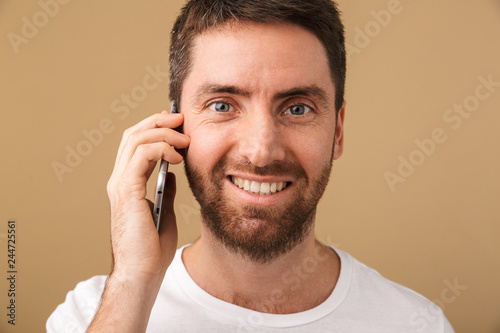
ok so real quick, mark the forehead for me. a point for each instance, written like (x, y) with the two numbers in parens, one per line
(260, 56)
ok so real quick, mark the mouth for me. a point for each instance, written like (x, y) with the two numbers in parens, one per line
(258, 188)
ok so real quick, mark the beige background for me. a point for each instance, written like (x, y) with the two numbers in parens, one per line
(438, 227)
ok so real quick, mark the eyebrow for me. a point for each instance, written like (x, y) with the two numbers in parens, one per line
(307, 91)
(210, 89)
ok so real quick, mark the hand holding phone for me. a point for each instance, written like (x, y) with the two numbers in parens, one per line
(161, 183)
(141, 255)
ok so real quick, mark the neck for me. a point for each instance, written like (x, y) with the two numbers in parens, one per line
(296, 281)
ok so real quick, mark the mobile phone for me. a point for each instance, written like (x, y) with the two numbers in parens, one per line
(161, 184)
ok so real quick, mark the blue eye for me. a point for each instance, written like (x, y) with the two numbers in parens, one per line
(221, 107)
(298, 110)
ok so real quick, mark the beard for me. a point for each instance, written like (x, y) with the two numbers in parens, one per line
(260, 234)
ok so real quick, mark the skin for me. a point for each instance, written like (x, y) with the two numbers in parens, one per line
(263, 61)
(260, 128)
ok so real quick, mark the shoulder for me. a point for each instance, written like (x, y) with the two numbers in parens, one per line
(370, 283)
(384, 298)
(79, 307)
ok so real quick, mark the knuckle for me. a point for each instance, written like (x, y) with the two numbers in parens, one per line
(167, 150)
(133, 138)
(127, 133)
(141, 148)
(158, 119)
(110, 185)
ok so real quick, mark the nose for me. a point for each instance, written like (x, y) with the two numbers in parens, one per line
(261, 139)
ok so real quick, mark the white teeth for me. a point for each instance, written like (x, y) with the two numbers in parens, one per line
(264, 188)
(280, 186)
(255, 187)
(246, 185)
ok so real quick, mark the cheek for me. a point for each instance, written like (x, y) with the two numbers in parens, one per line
(313, 151)
(207, 146)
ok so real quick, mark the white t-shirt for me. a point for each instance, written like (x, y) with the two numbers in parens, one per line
(362, 301)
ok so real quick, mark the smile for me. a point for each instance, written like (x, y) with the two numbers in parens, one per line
(260, 188)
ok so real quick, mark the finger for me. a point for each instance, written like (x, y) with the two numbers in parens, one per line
(158, 120)
(167, 135)
(140, 165)
(155, 121)
(152, 166)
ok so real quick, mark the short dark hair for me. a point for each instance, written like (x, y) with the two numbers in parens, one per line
(321, 17)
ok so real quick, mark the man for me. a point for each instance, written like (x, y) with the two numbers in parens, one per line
(260, 86)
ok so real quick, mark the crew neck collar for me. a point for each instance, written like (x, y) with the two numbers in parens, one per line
(258, 319)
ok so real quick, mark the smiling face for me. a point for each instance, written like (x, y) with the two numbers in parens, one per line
(259, 108)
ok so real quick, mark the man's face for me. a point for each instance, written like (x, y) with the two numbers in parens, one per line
(259, 108)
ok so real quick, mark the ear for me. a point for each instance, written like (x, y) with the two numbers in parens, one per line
(339, 133)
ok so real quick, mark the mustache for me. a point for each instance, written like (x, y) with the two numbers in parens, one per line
(278, 168)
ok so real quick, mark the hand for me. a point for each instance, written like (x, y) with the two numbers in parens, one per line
(140, 253)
